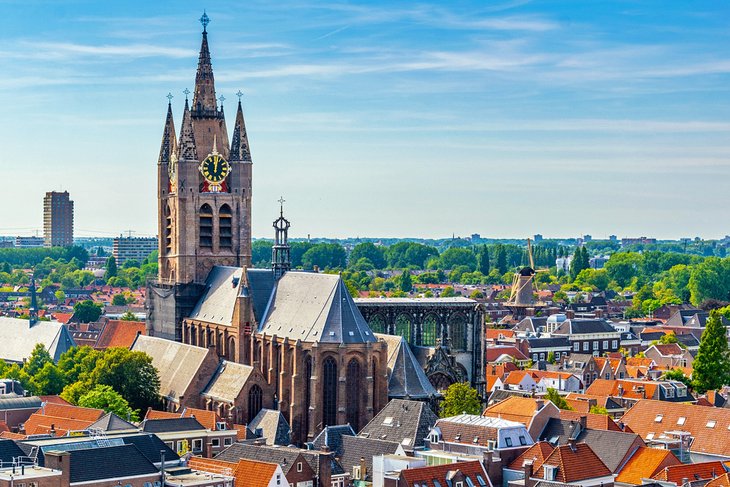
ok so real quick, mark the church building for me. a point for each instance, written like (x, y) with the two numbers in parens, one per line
(301, 330)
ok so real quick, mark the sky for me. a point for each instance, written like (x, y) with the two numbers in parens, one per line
(383, 119)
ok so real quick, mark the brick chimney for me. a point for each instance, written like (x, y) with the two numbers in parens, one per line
(583, 422)
(208, 450)
(493, 466)
(325, 467)
(528, 473)
(60, 460)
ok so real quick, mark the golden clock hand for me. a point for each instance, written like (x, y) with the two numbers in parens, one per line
(215, 165)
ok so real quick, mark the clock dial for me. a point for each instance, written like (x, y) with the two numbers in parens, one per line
(214, 168)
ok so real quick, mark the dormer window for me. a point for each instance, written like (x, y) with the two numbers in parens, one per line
(711, 423)
(658, 418)
(550, 472)
(681, 420)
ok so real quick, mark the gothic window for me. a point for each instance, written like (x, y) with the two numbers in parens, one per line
(255, 401)
(457, 332)
(375, 385)
(403, 327)
(193, 335)
(377, 324)
(440, 381)
(429, 331)
(225, 227)
(231, 349)
(353, 394)
(329, 396)
(206, 226)
(307, 393)
(168, 229)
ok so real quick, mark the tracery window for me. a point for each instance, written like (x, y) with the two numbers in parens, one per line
(329, 396)
(353, 394)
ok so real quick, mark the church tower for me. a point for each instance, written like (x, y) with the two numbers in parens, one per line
(204, 200)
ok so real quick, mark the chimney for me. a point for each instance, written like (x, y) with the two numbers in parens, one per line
(528, 473)
(60, 460)
(325, 469)
(539, 403)
(583, 422)
(208, 450)
(493, 466)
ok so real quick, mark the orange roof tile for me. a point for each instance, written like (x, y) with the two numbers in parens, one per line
(516, 376)
(639, 361)
(61, 418)
(691, 471)
(12, 436)
(708, 426)
(62, 317)
(520, 409)
(119, 333)
(247, 473)
(3, 427)
(209, 419)
(425, 475)
(575, 462)
(644, 464)
(603, 387)
(491, 380)
(721, 481)
(537, 453)
(55, 400)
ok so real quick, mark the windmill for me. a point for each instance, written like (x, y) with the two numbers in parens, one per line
(524, 288)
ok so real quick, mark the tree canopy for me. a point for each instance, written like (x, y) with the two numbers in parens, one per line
(711, 366)
(460, 398)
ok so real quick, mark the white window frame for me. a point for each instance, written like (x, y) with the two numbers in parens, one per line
(227, 441)
(595, 345)
(299, 467)
(197, 445)
(605, 344)
(216, 442)
(586, 346)
(576, 347)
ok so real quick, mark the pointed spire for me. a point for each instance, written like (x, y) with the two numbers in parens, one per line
(169, 140)
(204, 100)
(187, 149)
(240, 151)
(33, 311)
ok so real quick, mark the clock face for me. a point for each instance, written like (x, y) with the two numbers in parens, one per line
(214, 168)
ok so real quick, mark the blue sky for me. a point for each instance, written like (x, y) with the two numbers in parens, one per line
(503, 118)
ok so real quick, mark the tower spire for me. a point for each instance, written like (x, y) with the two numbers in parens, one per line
(169, 140)
(33, 310)
(240, 151)
(204, 101)
(187, 149)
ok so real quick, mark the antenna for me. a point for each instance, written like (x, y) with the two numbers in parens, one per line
(129, 233)
(529, 253)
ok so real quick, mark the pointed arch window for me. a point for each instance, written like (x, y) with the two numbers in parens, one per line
(457, 332)
(353, 393)
(429, 331)
(329, 412)
(168, 230)
(206, 226)
(255, 401)
(377, 324)
(403, 327)
(225, 227)
(307, 393)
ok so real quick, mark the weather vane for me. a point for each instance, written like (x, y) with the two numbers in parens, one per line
(222, 99)
(281, 203)
(169, 97)
(205, 20)
(239, 95)
(187, 92)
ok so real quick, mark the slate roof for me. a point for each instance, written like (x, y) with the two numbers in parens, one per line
(284, 456)
(8, 401)
(177, 363)
(209, 419)
(118, 461)
(356, 447)
(613, 447)
(19, 338)
(260, 285)
(314, 307)
(272, 426)
(170, 425)
(548, 342)
(584, 326)
(150, 446)
(531, 323)
(9, 451)
(222, 287)
(112, 422)
(405, 422)
(228, 381)
(406, 380)
(331, 436)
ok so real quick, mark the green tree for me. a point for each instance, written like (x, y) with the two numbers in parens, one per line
(460, 398)
(406, 284)
(111, 268)
(622, 267)
(119, 300)
(325, 256)
(38, 358)
(455, 257)
(60, 296)
(711, 366)
(78, 362)
(106, 398)
(551, 357)
(448, 292)
(261, 253)
(129, 316)
(579, 262)
(483, 260)
(87, 311)
(129, 373)
(370, 251)
(678, 375)
(555, 397)
(500, 259)
(595, 409)
(48, 381)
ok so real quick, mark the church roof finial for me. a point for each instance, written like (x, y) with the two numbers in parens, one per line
(205, 20)
(33, 309)
(187, 150)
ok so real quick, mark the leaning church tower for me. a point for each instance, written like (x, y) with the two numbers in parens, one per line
(204, 201)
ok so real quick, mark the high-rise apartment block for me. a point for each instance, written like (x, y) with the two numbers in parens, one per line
(133, 248)
(58, 219)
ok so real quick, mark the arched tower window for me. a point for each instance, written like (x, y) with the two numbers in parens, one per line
(255, 401)
(429, 331)
(377, 324)
(457, 332)
(168, 230)
(403, 327)
(329, 396)
(353, 394)
(206, 226)
(225, 227)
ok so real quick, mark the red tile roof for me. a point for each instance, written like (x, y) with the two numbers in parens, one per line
(427, 475)
(593, 421)
(209, 419)
(690, 471)
(721, 481)
(247, 473)
(575, 463)
(119, 333)
(644, 464)
(630, 389)
(62, 317)
(61, 418)
(493, 353)
(520, 409)
(537, 453)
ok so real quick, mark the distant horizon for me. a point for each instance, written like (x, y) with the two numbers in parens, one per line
(383, 118)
